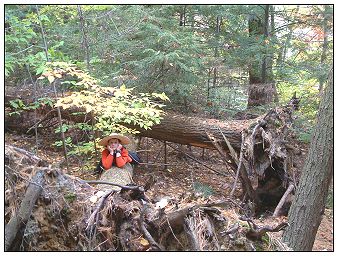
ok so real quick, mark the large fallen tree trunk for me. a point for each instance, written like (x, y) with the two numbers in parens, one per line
(267, 153)
(173, 127)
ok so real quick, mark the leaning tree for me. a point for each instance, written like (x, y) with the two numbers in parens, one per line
(308, 206)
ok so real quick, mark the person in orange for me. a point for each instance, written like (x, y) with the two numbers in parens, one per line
(115, 153)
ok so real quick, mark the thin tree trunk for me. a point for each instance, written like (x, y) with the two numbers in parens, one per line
(309, 204)
(272, 20)
(182, 16)
(216, 54)
(208, 90)
(325, 45)
(84, 36)
(286, 46)
(61, 130)
(266, 35)
(86, 47)
(56, 96)
(35, 111)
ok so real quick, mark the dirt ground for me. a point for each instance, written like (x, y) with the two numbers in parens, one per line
(182, 177)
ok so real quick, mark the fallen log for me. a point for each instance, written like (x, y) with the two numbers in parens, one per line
(18, 221)
(173, 127)
(266, 153)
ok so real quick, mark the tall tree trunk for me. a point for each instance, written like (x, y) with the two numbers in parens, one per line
(216, 53)
(86, 46)
(266, 35)
(208, 85)
(84, 36)
(286, 46)
(272, 20)
(183, 15)
(308, 206)
(54, 89)
(262, 89)
(255, 30)
(327, 16)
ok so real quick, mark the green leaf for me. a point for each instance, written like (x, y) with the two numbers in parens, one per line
(40, 70)
(14, 104)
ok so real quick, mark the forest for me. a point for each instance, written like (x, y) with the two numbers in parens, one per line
(168, 127)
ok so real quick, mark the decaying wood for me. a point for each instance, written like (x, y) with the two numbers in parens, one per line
(145, 231)
(198, 161)
(256, 232)
(122, 176)
(17, 222)
(175, 128)
(239, 166)
(29, 158)
(115, 221)
(282, 201)
(265, 147)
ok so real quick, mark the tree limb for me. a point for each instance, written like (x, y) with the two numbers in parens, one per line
(33, 192)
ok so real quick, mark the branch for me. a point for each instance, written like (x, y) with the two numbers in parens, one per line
(137, 188)
(95, 215)
(221, 151)
(198, 161)
(36, 160)
(231, 149)
(256, 233)
(33, 192)
(239, 166)
(282, 201)
(146, 232)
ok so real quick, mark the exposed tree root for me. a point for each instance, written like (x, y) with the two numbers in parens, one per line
(66, 217)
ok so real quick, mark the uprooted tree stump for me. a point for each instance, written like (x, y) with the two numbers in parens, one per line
(62, 215)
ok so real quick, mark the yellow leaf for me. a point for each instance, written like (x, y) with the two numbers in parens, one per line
(88, 108)
(46, 74)
(144, 242)
(51, 79)
(58, 104)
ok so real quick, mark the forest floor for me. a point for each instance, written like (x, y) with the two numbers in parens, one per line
(183, 178)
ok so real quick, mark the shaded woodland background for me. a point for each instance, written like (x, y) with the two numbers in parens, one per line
(208, 76)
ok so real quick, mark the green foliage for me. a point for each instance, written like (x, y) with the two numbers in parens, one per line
(113, 108)
(204, 189)
(70, 197)
(174, 49)
(17, 105)
(83, 149)
(63, 128)
(329, 199)
(309, 103)
(68, 142)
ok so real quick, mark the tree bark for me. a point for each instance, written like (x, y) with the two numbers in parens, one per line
(262, 89)
(173, 127)
(33, 192)
(266, 35)
(327, 17)
(308, 206)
